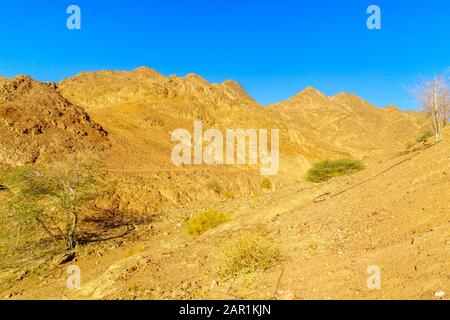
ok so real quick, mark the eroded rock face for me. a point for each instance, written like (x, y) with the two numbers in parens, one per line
(143, 103)
(37, 122)
(139, 109)
(97, 90)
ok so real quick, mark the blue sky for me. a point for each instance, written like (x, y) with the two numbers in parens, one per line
(274, 48)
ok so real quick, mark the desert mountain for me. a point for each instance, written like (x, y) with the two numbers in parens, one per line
(346, 124)
(139, 110)
(96, 90)
(393, 215)
(36, 121)
(145, 104)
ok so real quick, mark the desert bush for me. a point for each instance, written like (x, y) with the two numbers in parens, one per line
(326, 170)
(230, 195)
(249, 253)
(424, 136)
(54, 196)
(205, 220)
(266, 184)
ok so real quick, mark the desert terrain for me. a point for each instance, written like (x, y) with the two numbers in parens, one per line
(394, 214)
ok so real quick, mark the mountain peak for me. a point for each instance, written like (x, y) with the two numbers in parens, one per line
(148, 72)
(311, 91)
(196, 78)
(351, 100)
(391, 107)
(234, 85)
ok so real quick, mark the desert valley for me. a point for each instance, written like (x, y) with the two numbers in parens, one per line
(216, 230)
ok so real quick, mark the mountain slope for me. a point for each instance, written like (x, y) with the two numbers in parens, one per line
(96, 90)
(140, 109)
(389, 222)
(36, 121)
(145, 104)
(396, 216)
(347, 124)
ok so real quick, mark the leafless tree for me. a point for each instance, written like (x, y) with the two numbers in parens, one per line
(434, 97)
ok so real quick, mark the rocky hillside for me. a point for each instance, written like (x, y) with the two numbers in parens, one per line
(142, 107)
(96, 90)
(394, 215)
(346, 124)
(139, 110)
(37, 122)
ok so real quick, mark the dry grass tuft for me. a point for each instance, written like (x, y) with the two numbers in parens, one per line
(266, 184)
(204, 221)
(247, 254)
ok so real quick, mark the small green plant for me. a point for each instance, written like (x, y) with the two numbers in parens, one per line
(249, 253)
(229, 195)
(266, 184)
(204, 221)
(326, 170)
(424, 136)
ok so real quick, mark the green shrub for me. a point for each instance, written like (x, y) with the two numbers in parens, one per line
(424, 136)
(43, 209)
(247, 254)
(55, 196)
(266, 184)
(204, 221)
(326, 170)
(229, 195)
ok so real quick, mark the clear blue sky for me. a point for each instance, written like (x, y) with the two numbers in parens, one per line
(274, 48)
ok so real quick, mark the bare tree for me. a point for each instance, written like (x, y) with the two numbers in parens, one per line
(434, 97)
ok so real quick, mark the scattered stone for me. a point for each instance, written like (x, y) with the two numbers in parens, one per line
(213, 284)
(11, 294)
(22, 275)
(131, 269)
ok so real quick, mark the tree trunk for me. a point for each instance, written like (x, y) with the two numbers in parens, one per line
(437, 131)
(71, 238)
